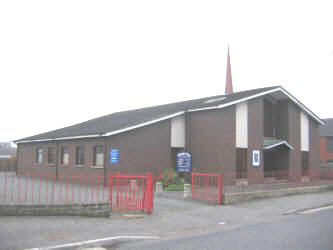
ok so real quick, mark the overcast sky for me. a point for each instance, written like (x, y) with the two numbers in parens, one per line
(64, 62)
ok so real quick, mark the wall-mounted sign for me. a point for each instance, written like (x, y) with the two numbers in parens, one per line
(184, 162)
(114, 155)
(255, 158)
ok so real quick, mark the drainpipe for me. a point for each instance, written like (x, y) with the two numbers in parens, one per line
(105, 151)
(17, 159)
(57, 149)
(187, 175)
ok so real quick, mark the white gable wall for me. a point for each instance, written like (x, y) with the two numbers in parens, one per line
(304, 132)
(178, 132)
(241, 125)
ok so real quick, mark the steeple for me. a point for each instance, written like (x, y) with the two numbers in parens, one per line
(228, 82)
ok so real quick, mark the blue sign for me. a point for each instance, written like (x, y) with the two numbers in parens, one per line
(114, 155)
(184, 162)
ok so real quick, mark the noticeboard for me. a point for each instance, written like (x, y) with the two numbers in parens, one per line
(255, 158)
(184, 162)
(114, 155)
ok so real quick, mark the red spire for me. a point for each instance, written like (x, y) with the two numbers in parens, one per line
(228, 82)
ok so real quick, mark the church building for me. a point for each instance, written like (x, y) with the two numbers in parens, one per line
(249, 135)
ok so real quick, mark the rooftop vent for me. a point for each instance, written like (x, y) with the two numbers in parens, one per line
(215, 100)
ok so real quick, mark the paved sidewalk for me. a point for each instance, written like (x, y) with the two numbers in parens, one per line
(171, 217)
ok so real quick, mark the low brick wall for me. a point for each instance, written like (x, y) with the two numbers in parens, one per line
(90, 210)
(248, 196)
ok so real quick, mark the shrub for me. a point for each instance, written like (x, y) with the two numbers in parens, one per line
(170, 177)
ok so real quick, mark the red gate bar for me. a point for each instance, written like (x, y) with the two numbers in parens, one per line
(131, 192)
(207, 187)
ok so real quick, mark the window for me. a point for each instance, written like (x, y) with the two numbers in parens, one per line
(79, 155)
(39, 155)
(51, 156)
(241, 163)
(99, 156)
(330, 161)
(329, 144)
(64, 156)
(269, 119)
(305, 163)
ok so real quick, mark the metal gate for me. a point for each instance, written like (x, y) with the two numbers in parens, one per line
(207, 187)
(131, 192)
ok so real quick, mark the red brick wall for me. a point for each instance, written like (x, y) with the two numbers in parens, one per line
(27, 158)
(255, 139)
(141, 150)
(212, 140)
(323, 154)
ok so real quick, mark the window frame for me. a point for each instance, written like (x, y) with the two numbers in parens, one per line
(305, 163)
(329, 144)
(62, 155)
(269, 118)
(49, 152)
(39, 155)
(95, 155)
(241, 163)
(78, 154)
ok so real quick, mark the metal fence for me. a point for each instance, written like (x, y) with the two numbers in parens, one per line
(43, 188)
(125, 192)
(211, 186)
(276, 179)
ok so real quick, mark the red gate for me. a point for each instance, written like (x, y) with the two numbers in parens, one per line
(207, 187)
(131, 192)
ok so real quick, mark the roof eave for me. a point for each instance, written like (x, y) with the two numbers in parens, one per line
(278, 144)
(108, 133)
(58, 139)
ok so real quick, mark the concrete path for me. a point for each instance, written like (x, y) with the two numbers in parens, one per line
(171, 217)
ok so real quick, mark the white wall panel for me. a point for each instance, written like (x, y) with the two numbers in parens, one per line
(178, 132)
(241, 125)
(304, 132)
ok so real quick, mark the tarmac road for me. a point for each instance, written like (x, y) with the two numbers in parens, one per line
(172, 218)
(307, 231)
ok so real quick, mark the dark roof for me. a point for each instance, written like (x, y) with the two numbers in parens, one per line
(122, 120)
(327, 128)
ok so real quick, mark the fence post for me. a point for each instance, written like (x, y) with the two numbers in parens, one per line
(187, 191)
(220, 198)
(149, 193)
(110, 189)
(159, 188)
(192, 186)
(117, 189)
